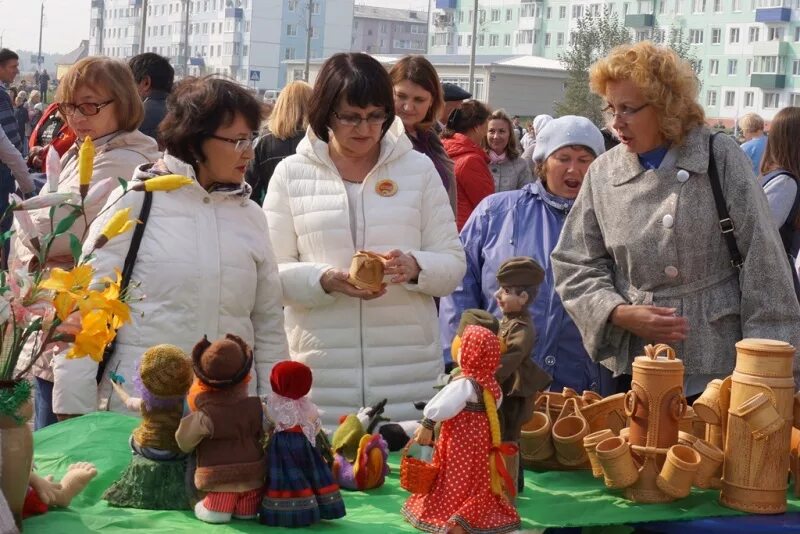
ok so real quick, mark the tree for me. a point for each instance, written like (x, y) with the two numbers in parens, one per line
(594, 38)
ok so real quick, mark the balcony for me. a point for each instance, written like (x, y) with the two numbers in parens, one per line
(446, 4)
(639, 21)
(234, 12)
(772, 48)
(768, 81)
(773, 14)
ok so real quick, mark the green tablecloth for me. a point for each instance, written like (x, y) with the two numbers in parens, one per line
(550, 499)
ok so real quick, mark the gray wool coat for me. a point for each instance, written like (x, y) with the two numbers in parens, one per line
(511, 174)
(638, 236)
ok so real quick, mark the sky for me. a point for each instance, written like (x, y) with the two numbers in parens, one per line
(67, 22)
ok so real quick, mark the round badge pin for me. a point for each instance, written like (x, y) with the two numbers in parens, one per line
(386, 188)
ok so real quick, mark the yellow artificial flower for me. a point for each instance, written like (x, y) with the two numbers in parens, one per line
(95, 334)
(167, 182)
(118, 224)
(85, 165)
(74, 281)
(64, 304)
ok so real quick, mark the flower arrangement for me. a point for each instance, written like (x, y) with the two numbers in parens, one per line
(43, 308)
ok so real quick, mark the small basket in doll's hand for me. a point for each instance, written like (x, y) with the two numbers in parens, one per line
(416, 476)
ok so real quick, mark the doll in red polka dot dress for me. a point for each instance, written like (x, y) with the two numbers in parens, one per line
(469, 493)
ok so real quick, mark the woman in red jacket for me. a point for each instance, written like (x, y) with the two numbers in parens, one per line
(466, 127)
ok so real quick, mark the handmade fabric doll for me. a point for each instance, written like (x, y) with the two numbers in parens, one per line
(467, 494)
(155, 476)
(226, 430)
(519, 376)
(359, 455)
(300, 488)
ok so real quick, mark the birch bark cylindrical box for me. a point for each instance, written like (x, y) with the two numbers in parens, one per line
(759, 427)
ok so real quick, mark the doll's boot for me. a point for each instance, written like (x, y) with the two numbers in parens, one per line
(209, 516)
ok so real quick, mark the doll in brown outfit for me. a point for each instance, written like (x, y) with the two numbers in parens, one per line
(225, 429)
(519, 376)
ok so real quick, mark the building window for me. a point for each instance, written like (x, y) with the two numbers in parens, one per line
(287, 54)
(730, 98)
(562, 12)
(291, 29)
(696, 36)
(527, 10)
(733, 36)
(662, 8)
(711, 98)
(480, 40)
(494, 40)
(460, 40)
(697, 66)
(642, 36)
(716, 35)
(768, 65)
(495, 15)
(736, 5)
(796, 67)
(507, 39)
(748, 99)
(577, 11)
(794, 99)
(560, 39)
(717, 6)
(547, 39)
(460, 16)
(625, 7)
(772, 100)
(698, 6)
(509, 14)
(733, 65)
(549, 12)
(748, 67)
(752, 34)
(713, 67)
(383, 28)
(525, 37)
(292, 5)
(775, 33)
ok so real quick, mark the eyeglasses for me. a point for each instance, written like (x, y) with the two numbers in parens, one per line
(87, 109)
(352, 119)
(239, 145)
(624, 114)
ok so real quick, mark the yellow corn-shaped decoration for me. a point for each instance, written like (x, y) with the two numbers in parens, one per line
(168, 182)
(118, 224)
(85, 165)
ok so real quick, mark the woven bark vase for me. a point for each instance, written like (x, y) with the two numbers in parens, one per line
(758, 432)
(16, 455)
(366, 270)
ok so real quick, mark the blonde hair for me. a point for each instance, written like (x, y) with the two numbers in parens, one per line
(751, 122)
(291, 110)
(512, 148)
(667, 82)
(110, 76)
(35, 95)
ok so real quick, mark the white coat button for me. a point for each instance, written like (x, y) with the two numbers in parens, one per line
(668, 221)
(671, 271)
(206, 200)
(682, 175)
(550, 360)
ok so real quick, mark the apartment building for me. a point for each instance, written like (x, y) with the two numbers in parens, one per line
(245, 39)
(747, 51)
(380, 30)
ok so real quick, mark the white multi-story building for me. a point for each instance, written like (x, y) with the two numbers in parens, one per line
(245, 39)
(383, 30)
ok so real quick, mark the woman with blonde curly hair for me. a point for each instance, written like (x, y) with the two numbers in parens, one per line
(642, 257)
(509, 170)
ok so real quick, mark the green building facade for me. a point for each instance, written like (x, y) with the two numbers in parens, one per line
(747, 51)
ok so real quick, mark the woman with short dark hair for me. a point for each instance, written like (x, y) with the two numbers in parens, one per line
(205, 266)
(356, 183)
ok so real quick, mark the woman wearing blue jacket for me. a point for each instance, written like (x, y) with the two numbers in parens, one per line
(528, 222)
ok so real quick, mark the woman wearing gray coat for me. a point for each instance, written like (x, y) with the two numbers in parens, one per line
(509, 170)
(642, 258)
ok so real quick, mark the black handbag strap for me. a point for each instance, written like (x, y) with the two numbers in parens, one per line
(127, 272)
(725, 222)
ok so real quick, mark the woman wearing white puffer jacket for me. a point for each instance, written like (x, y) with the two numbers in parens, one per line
(205, 265)
(356, 183)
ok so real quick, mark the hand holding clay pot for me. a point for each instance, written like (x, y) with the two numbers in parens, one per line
(334, 281)
(403, 267)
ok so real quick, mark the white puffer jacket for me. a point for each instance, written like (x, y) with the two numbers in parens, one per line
(363, 351)
(205, 266)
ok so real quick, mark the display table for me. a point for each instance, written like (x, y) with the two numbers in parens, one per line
(554, 499)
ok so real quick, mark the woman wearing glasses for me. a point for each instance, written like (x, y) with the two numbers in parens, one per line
(97, 97)
(205, 266)
(642, 258)
(356, 183)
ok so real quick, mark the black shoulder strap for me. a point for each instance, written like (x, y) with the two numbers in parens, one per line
(127, 272)
(725, 222)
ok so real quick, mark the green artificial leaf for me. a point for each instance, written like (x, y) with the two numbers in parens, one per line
(5, 236)
(75, 247)
(124, 184)
(66, 223)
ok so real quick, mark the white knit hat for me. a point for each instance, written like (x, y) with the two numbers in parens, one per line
(566, 131)
(540, 121)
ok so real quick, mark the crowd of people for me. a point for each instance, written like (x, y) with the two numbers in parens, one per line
(445, 189)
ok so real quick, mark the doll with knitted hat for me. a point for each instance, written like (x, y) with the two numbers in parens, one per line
(519, 376)
(300, 487)
(469, 492)
(225, 429)
(155, 477)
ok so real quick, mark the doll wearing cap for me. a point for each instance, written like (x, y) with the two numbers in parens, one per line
(225, 429)
(300, 487)
(154, 479)
(519, 376)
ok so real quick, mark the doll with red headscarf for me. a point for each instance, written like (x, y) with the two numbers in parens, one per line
(300, 486)
(469, 492)
(226, 431)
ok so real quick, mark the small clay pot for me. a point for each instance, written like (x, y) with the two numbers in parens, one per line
(590, 443)
(711, 458)
(679, 470)
(707, 405)
(568, 434)
(619, 468)
(535, 442)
